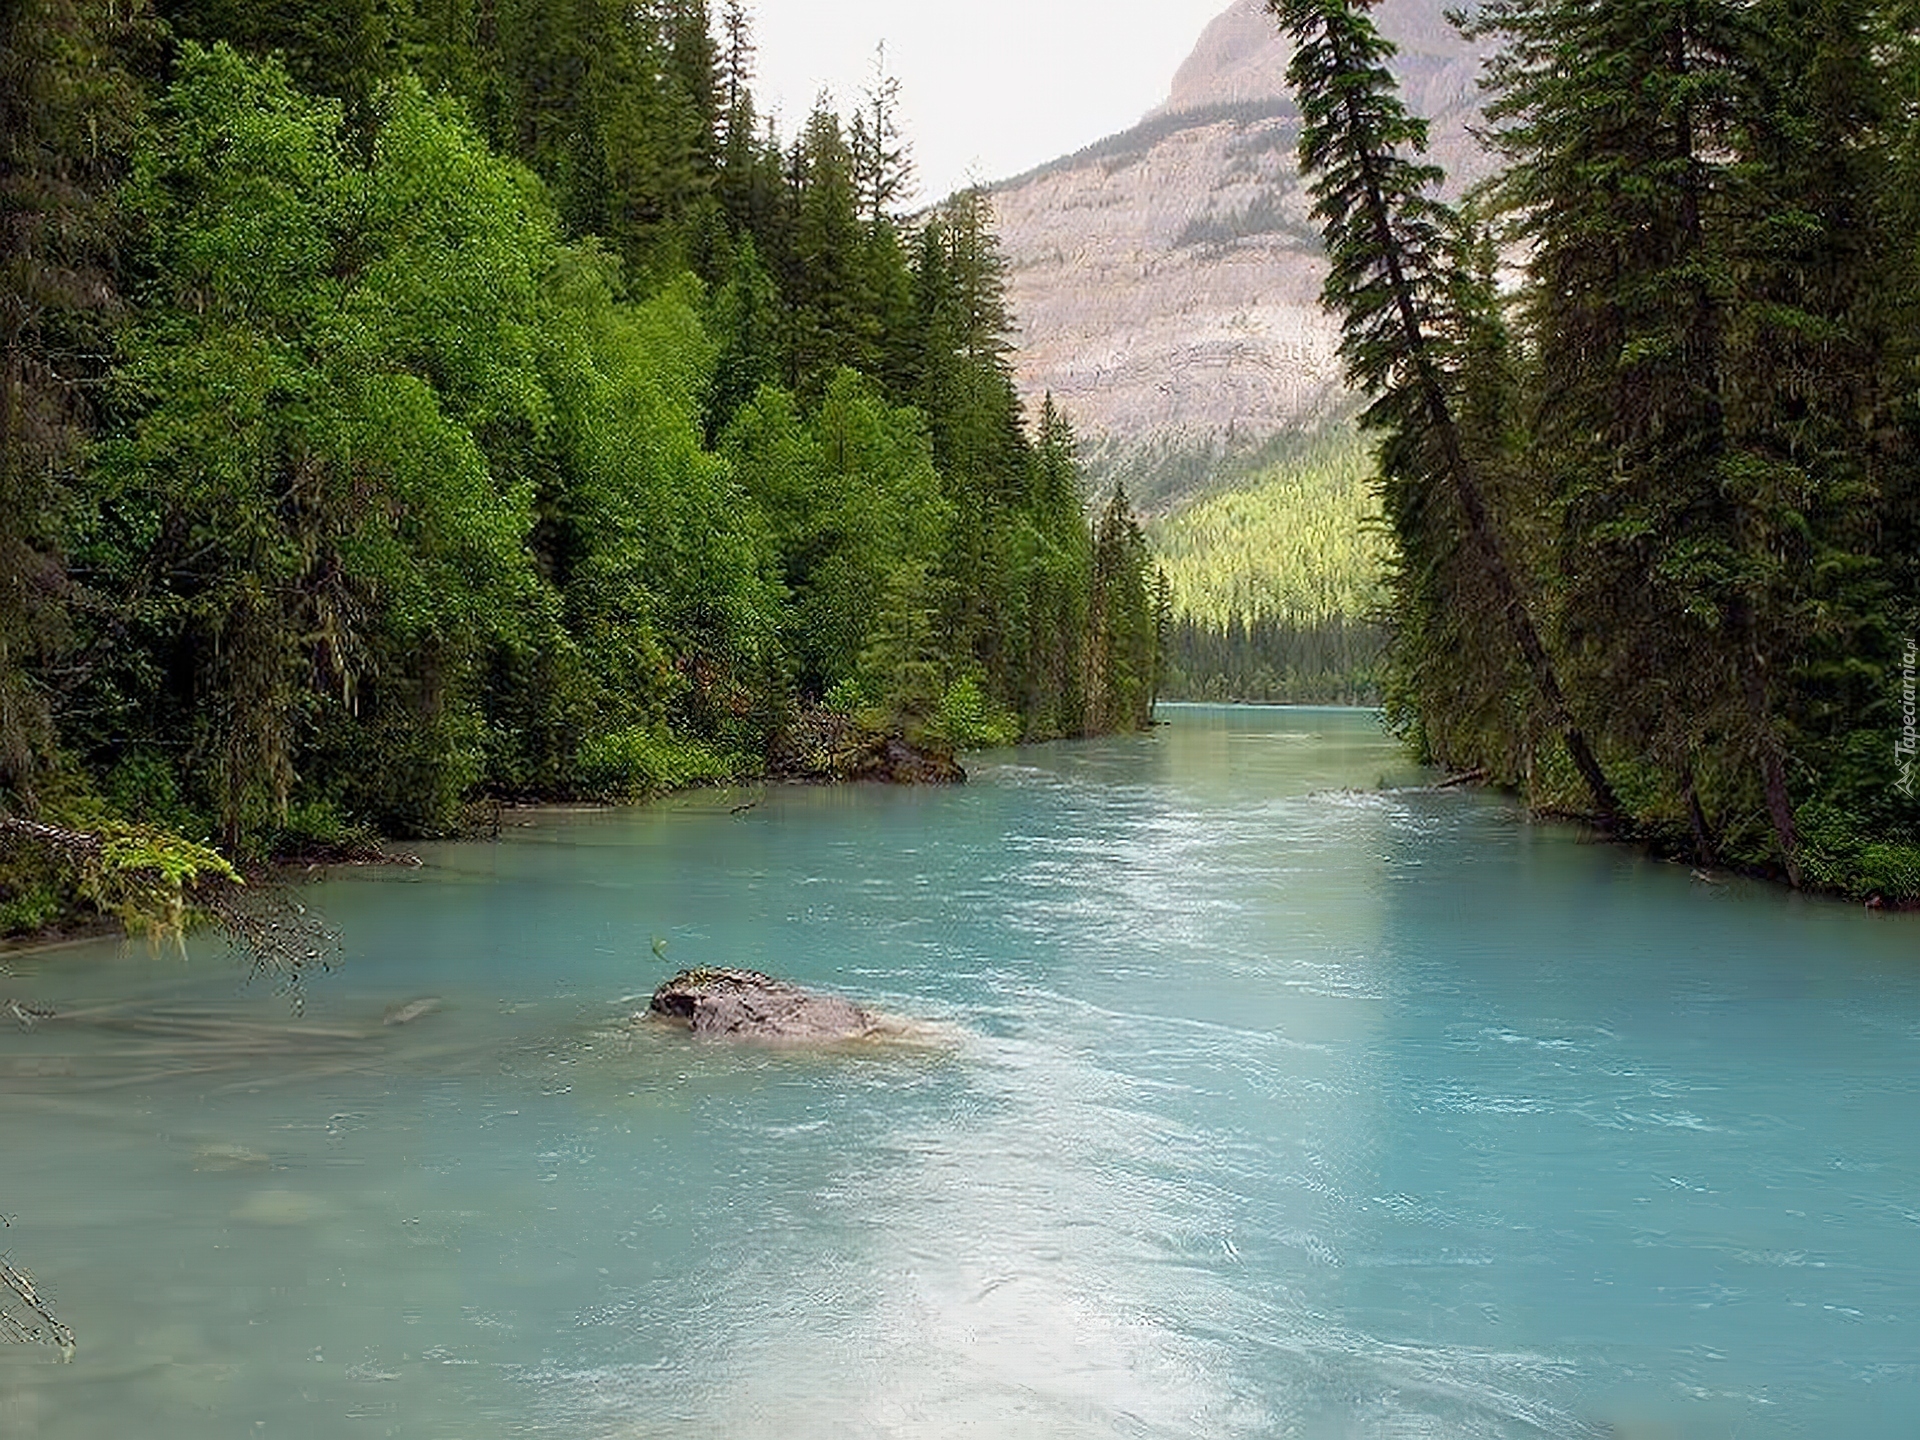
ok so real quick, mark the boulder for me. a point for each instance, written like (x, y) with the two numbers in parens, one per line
(746, 1005)
(823, 746)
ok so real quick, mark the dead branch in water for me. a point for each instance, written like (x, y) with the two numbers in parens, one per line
(34, 1322)
(158, 884)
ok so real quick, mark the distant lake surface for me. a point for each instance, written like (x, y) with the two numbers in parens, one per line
(1262, 1094)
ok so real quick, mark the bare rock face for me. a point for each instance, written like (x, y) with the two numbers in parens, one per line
(746, 1005)
(1166, 281)
(1242, 57)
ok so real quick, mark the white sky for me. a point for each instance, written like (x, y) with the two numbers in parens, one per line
(989, 88)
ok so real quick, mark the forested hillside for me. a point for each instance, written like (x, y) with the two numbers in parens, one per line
(410, 402)
(1655, 512)
(1277, 581)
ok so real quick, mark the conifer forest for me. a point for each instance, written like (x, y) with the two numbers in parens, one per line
(1647, 409)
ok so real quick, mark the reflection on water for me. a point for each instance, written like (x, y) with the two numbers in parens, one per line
(1270, 1100)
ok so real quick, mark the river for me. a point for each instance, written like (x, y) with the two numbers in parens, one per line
(1263, 1094)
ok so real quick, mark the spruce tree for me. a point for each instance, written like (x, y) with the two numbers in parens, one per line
(1387, 242)
(68, 103)
(1123, 628)
(739, 142)
(882, 162)
(1628, 132)
(823, 281)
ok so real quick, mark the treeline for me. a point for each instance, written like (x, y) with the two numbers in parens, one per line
(1276, 583)
(1654, 510)
(416, 400)
(1271, 661)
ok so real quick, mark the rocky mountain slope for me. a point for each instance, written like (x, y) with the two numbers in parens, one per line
(1166, 280)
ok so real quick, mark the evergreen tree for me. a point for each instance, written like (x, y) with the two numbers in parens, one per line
(1051, 562)
(744, 318)
(882, 163)
(1387, 241)
(1123, 634)
(822, 284)
(1897, 38)
(739, 152)
(343, 50)
(1632, 132)
(68, 102)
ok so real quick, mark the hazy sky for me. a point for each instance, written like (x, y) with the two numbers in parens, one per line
(988, 87)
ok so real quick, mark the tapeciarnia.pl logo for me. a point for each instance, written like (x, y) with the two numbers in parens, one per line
(1905, 745)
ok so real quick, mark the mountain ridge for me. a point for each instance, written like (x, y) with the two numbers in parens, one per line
(1165, 279)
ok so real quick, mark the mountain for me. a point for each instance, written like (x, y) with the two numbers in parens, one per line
(1166, 280)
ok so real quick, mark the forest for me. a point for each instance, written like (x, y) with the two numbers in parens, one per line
(415, 402)
(1647, 409)
(1275, 581)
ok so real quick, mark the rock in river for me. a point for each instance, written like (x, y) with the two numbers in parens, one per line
(822, 746)
(746, 1005)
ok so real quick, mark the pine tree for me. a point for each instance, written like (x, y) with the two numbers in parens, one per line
(882, 162)
(739, 140)
(1051, 563)
(1626, 129)
(699, 84)
(68, 102)
(1811, 272)
(342, 50)
(1122, 645)
(743, 316)
(822, 284)
(1387, 243)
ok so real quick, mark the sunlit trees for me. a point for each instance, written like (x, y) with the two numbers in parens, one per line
(447, 400)
(302, 511)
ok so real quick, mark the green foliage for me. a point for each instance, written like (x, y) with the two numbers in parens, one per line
(901, 664)
(1858, 859)
(144, 875)
(1267, 661)
(142, 782)
(1274, 583)
(967, 718)
(1127, 628)
(1660, 473)
(850, 494)
(321, 826)
(1295, 545)
(314, 380)
(148, 878)
(29, 904)
(494, 409)
(634, 763)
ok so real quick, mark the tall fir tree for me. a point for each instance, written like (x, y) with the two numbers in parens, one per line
(1388, 246)
(69, 102)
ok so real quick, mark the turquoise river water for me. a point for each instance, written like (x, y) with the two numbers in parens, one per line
(1261, 1094)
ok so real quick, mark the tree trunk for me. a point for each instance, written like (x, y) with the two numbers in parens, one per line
(1704, 850)
(1766, 740)
(1472, 502)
